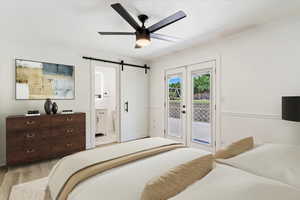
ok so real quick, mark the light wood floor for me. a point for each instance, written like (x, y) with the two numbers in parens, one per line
(3, 170)
(15, 175)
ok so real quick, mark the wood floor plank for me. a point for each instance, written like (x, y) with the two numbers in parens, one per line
(22, 174)
(3, 171)
(10, 179)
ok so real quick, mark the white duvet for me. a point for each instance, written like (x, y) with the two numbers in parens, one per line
(69, 165)
(228, 183)
(127, 182)
(223, 183)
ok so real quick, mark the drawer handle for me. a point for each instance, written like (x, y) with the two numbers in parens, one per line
(30, 122)
(30, 151)
(69, 118)
(69, 145)
(30, 135)
(69, 131)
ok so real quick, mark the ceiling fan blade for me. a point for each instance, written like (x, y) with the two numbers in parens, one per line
(116, 33)
(167, 21)
(121, 10)
(164, 37)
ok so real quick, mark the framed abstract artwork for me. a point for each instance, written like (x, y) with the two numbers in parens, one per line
(41, 80)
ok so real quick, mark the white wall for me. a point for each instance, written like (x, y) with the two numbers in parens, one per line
(51, 53)
(109, 85)
(257, 66)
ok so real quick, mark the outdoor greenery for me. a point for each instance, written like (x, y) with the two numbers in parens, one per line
(174, 85)
(174, 91)
(202, 101)
(201, 83)
(174, 94)
(201, 86)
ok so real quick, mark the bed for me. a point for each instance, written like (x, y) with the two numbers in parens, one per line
(280, 162)
(140, 161)
(228, 183)
(127, 180)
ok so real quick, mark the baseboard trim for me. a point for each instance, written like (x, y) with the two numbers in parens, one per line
(251, 115)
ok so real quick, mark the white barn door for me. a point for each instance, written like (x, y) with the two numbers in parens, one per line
(134, 104)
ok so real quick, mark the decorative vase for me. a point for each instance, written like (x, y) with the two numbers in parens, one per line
(54, 108)
(48, 106)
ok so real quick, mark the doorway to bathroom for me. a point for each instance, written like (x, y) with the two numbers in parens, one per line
(118, 103)
(106, 130)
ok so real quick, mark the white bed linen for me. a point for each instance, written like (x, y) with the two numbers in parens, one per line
(69, 165)
(276, 161)
(228, 183)
(127, 182)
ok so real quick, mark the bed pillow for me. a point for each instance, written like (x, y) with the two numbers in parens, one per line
(177, 179)
(276, 161)
(236, 148)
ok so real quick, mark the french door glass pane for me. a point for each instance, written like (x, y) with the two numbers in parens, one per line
(175, 128)
(201, 108)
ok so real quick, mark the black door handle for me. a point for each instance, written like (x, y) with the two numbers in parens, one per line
(126, 106)
(183, 112)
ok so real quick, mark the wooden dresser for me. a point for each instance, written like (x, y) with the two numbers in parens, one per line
(36, 138)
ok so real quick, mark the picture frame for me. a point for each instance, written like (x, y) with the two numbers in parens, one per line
(36, 80)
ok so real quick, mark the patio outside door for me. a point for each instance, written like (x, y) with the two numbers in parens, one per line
(175, 104)
(201, 106)
(190, 105)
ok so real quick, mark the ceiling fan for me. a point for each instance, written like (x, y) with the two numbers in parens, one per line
(143, 34)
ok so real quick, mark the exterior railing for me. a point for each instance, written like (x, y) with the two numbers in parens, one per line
(201, 110)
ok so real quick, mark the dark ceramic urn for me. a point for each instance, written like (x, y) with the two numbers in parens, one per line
(48, 106)
(54, 108)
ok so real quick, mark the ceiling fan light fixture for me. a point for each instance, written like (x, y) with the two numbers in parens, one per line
(143, 38)
(143, 42)
(143, 33)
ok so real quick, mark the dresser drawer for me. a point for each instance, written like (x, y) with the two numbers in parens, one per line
(69, 119)
(25, 123)
(68, 146)
(28, 153)
(68, 131)
(17, 139)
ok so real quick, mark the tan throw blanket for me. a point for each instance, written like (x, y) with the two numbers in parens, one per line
(76, 168)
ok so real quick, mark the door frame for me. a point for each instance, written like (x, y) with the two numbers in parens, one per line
(92, 100)
(218, 122)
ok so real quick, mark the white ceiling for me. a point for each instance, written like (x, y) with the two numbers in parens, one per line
(76, 22)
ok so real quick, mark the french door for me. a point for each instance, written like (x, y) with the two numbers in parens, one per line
(190, 105)
(175, 104)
